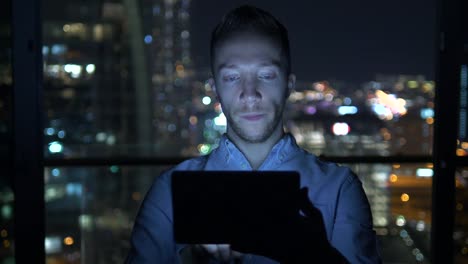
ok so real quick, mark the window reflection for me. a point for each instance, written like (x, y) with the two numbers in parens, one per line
(390, 115)
(400, 199)
(124, 78)
(87, 207)
(90, 211)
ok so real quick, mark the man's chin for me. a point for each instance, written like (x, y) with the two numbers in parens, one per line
(252, 133)
(254, 137)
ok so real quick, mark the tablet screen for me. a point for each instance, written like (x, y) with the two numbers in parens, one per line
(222, 207)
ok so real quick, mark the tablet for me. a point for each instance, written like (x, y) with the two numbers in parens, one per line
(225, 207)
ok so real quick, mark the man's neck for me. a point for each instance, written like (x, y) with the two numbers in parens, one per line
(256, 153)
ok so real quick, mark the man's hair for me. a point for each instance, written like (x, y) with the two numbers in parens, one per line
(254, 20)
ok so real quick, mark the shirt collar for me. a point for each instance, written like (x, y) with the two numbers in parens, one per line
(233, 158)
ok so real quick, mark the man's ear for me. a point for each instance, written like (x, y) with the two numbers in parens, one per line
(291, 84)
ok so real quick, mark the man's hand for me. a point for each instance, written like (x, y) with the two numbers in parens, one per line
(220, 252)
(304, 240)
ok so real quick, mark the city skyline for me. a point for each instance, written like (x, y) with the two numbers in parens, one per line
(365, 88)
(166, 105)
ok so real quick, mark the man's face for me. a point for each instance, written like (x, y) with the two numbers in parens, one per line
(252, 85)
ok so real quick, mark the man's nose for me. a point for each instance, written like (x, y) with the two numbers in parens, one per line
(249, 92)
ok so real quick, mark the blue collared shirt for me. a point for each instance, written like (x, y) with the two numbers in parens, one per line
(334, 190)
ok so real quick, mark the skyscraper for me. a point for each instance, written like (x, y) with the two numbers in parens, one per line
(171, 72)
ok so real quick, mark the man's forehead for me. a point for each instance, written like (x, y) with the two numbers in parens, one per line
(248, 40)
(248, 48)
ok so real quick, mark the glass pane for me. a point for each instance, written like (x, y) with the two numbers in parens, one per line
(460, 235)
(128, 77)
(90, 211)
(400, 196)
(87, 207)
(6, 137)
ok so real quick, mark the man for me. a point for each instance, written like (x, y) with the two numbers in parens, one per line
(252, 78)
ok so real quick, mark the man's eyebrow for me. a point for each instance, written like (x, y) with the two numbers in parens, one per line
(226, 65)
(276, 63)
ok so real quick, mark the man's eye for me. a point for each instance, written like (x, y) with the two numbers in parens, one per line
(230, 78)
(267, 76)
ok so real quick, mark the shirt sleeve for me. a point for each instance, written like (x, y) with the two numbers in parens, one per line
(152, 239)
(353, 235)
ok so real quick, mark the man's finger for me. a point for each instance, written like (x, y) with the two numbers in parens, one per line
(211, 249)
(236, 254)
(224, 251)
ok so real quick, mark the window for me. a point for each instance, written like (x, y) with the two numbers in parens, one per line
(127, 79)
(125, 97)
(90, 211)
(133, 77)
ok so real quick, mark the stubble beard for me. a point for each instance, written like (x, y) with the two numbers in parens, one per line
(268, 129)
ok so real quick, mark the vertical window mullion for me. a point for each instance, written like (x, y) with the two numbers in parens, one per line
(28, 180)
(445, 130)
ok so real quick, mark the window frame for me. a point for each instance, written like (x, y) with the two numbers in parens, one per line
(448, 66)
(29, 162)
(27, 178)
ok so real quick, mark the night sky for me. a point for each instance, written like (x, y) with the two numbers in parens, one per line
(344, 40)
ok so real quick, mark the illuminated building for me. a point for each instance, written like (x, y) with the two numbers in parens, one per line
(171, 72)
(407, 103)
(89, 109)
(85, 77)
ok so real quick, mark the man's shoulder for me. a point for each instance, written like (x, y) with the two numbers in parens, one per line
(164, 178)
(326, 170)
(196, 163)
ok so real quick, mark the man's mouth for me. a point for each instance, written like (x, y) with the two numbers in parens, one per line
(252, 117)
